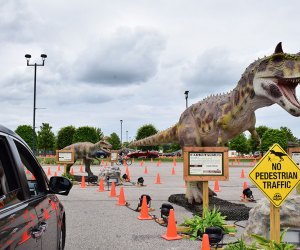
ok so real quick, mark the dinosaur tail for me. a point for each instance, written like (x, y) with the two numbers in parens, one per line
(169, 135)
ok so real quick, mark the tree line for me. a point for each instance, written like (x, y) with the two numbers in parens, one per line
(48, 142)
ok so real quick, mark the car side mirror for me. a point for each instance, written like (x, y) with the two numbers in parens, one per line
(60, 185)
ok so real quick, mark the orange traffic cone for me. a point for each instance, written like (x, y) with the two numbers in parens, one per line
(121, 201)
(158, 179)
(72, 171)
(245, 185)
(113, 190)
(82, 185)
(49, 171)
(127, 173)
(101, 185)
(171, 229)
(55, 174)
(173, 171)
(242, 174)
(205, 242)
(144, 215)
(81, 171)
(102, 163)
(216, 187)
(146, 170)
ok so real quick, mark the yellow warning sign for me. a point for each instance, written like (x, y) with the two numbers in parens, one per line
(276, 175)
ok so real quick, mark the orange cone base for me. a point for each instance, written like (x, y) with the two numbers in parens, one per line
(177, 237)
(145, 218)
(122, 204)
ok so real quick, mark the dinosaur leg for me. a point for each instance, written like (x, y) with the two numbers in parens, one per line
(68, 167)
(87, 164)
(188, 136)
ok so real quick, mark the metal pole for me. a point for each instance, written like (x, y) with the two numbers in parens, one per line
(121, 133)
(34, 108)
(127, 135)
(186, 102)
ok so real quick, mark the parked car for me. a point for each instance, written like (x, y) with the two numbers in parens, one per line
(101, 154)
(141, 154)
(31, 215)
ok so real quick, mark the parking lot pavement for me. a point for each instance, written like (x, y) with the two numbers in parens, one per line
(94, 221)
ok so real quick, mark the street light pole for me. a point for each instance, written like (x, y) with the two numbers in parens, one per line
(121, 133)
(186, 98)
(35, 65)
(127, 135)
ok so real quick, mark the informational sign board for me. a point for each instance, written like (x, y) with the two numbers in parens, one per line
(65, 156)
(114, 154)
(276, 175)
(294, 153)
(205, 163)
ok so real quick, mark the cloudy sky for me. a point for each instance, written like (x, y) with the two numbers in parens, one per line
(133, 59)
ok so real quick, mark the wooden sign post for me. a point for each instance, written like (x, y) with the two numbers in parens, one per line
(205, 164)
(294, 153)
(65, 157)
(114, 156)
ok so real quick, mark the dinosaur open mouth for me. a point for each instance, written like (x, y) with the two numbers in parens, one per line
(288, 87)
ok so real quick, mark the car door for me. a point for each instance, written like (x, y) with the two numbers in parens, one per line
(45, 203)
(17, 215)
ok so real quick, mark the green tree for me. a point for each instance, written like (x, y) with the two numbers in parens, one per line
(115, 141)
(25, 132)
(289, 134)
(272, 136)
(254, 146)
(240, 144)
(46, 138)
(65, 137)
(145, 131)
(86, 134)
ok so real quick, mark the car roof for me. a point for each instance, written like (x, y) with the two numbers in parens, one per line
(7, 131)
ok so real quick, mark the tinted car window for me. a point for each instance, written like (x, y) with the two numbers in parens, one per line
(35, 177)
(10, 191)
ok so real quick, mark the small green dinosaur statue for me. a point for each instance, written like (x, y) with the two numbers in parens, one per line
(86, 152)
(217, 119)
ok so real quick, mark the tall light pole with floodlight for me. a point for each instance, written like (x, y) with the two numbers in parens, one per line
(186, 98)
(35, 65)
(121, 133)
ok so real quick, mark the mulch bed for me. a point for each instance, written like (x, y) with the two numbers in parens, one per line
(232, 211)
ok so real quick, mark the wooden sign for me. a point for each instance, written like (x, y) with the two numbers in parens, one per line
(114, 155)
(65, 156)
(205, 163)
(294, 153)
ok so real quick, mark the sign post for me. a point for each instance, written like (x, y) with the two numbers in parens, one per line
(294, 153)
(113, 156)
(205, 164)
(276, 175)
(65, 157)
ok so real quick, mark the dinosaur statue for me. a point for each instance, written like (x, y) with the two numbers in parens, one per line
(219, 118)
(86, 152)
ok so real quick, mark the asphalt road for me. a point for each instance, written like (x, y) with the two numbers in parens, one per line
(94, 221)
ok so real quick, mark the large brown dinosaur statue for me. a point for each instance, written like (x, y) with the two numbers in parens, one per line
(217, 119)
(86, 152)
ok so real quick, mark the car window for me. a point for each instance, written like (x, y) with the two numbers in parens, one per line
(10, 191)
(34, 175)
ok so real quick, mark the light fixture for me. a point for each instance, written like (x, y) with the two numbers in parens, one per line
(148, 199)
(248, 193)
(140, 181)
(165, 211)
(215, 234)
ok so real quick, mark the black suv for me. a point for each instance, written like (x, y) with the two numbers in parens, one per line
(101, 154)
(31, 216)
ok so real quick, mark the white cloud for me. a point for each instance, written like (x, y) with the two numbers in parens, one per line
(129, 56)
